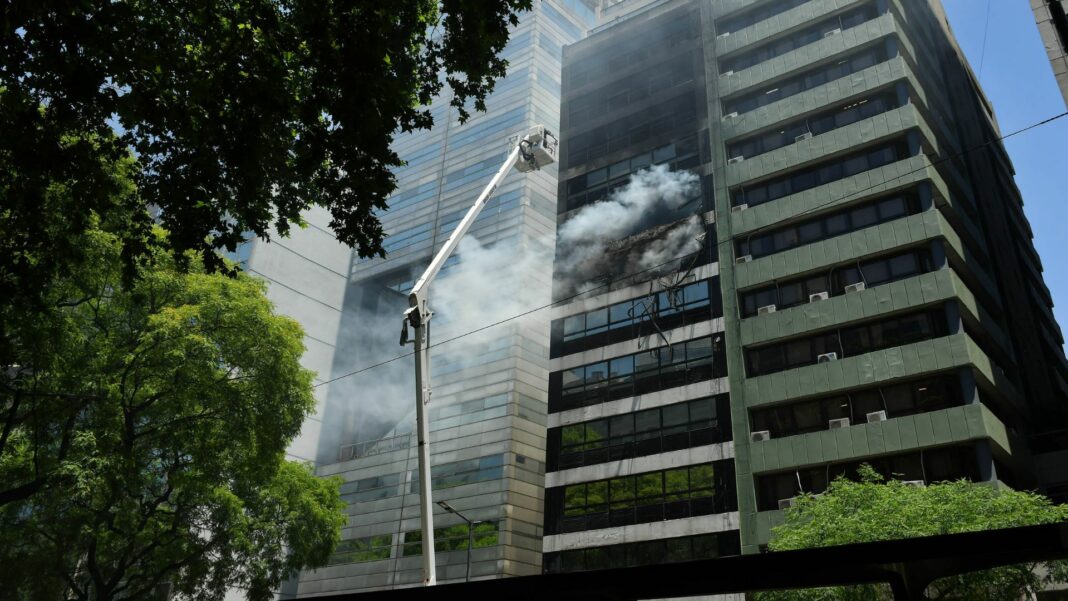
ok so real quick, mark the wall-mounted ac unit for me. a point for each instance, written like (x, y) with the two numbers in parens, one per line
(743, 259)
(760, 436)
(723, 35)
(766, 309)
(740, 207)
(827, 357)
(730, 116)
(727, 73)
(916, 483)
(876, 416)
(733, 160)
(834, 424)
(787, 503)
(803, 136)
(819, 296)
(834, 31)
(859, 286)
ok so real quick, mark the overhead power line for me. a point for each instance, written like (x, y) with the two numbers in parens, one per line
(729, 241)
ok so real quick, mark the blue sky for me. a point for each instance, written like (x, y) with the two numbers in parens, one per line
(1016, 75)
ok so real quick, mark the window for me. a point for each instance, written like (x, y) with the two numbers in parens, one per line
(648, 371)
(826, 226)
(459, 473)
(679, 426)
(688, 548)
(820, 174)
(808, 80)
(358, 550)
(930, 465)
(755, 15)
(799, 39)
(596, 185)
(793, 292)
(653, 496)
(846, 342)
(452, 538)
(919, 396)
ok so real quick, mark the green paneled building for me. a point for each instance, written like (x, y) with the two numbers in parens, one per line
(863, 275)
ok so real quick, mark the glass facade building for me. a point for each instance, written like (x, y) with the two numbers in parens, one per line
(487, 413)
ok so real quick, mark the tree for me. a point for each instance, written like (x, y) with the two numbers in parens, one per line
(144, 432)
(241, 114)
(874, 509)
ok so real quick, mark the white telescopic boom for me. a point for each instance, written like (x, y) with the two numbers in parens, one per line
(537, 148)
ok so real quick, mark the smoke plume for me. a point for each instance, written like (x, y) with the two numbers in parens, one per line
(588, 243)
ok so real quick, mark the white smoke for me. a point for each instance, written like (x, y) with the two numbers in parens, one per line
(650, 198)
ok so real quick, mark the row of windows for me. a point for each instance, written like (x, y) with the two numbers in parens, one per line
(898, 400)
(446, 475)
(822, 173)
(641, 373)
(459, 473)
(658, 430)
(820, 123)
(801, 38)
(755, 15)
(358, 550)
(629, 319)
(673, 115)
(599, 184)
(623, 93)
(934, 465)
(846, 342)
(791, 293)
(470, 412)
(854, 218)
(453, 538)
(641, 498)
(808, 80)
(419, 233)
(625, 51)
(669, 550)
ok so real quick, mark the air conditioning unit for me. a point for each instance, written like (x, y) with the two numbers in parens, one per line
(834, 31)
(803, 136)
(787, 503)
(733, 160)
(876, 416)
(743, 259)
(760, 436)
(730, 115)
(859, 286)
(740, 207)
(835, 424)
(727, 73)
(723, 35)
(827, 357)
(766, 309)
(819, 296)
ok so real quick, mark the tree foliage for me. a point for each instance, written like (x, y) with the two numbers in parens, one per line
(242, 114)
(143, 438)
(873, 509)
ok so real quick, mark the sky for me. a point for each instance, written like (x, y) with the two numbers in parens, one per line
(1015, 73)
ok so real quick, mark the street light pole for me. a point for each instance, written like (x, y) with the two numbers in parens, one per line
(470, 533)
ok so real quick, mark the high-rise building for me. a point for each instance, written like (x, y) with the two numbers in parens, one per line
(487, 414)
(1050, 15)
(827, 264)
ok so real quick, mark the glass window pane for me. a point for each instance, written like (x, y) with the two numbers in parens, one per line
(892, 208)
(596, 320)
(648, 420)
(597, 372)
(621, 425)
(701, 476)
(675, 415)
(650, 486)
(864, 216)
(573, 324)
(571, 435)
(623, 366)
(573, 377)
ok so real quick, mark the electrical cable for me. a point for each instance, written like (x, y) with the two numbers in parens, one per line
(729, 241)
(986, 29)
